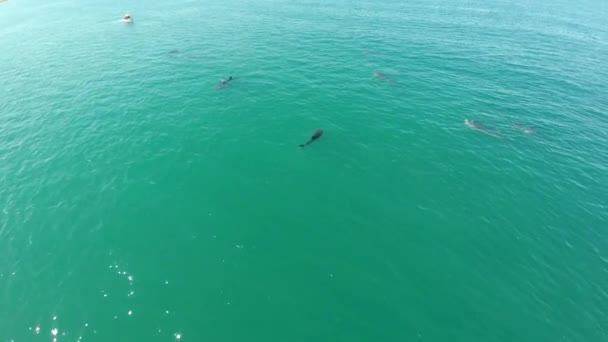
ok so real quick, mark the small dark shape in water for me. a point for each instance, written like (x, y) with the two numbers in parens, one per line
(525, 129)
(173, 52)
(224, 83)
(475, 124)
(382, 76)
(479, 126)
(316, 135)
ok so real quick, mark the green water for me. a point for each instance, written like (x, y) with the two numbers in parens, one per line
(128, 183)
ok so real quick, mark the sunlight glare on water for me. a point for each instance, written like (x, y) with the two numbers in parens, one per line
(142, 199)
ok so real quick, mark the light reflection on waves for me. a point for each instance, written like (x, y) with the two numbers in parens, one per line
(400, 121)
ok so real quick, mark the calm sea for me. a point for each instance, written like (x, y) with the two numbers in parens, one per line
(140, 203)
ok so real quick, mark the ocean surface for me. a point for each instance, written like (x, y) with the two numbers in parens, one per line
(140, 203)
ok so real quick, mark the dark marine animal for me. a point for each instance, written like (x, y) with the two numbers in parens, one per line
(316, 135)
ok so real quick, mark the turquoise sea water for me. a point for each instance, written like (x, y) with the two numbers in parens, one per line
(139, 203)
